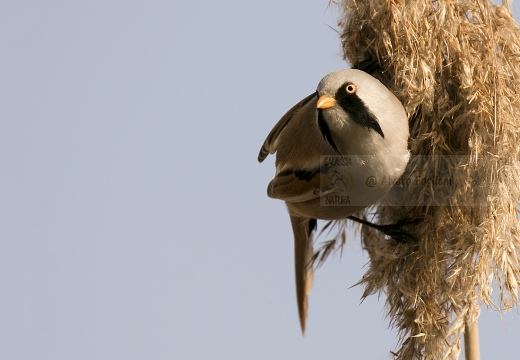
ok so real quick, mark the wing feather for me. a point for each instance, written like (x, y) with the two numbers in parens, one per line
(295, 185)
(270, 143)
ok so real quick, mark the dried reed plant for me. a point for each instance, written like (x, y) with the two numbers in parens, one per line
(455, 65)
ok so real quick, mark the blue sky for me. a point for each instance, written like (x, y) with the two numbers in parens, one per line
(133, 214)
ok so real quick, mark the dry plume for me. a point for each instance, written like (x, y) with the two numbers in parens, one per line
(455, 65)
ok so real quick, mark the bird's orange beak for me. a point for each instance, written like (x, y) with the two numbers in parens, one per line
(325, 102)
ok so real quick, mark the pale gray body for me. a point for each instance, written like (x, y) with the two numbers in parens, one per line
(360, 120)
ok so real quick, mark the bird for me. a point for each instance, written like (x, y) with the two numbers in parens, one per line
(338, 151)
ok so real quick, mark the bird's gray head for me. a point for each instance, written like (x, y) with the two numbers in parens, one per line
(353, 104)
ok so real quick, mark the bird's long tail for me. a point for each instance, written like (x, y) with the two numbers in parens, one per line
(303, 230)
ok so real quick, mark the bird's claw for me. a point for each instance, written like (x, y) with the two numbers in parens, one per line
(395, 231)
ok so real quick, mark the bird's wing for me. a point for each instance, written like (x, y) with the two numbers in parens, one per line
(270, 143)
(295, 185)
(303, 230)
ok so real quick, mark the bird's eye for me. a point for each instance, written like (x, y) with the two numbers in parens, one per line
(351, 89)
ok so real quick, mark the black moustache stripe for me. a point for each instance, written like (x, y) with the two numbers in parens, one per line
(358, 111)
(325, 131)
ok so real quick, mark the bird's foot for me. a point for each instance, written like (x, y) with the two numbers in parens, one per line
(395, 231)
(398, 233)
